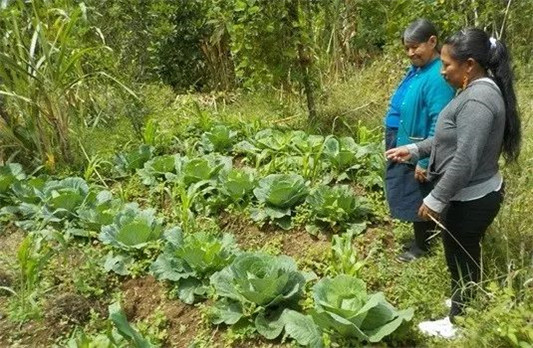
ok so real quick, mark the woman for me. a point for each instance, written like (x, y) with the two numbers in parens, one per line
(412, 115)
(478, 125)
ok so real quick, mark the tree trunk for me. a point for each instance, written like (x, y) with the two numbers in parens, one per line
(305, 60)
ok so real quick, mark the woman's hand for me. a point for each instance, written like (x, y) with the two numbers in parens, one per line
(398, 154)
(420, 174)
(424, 213)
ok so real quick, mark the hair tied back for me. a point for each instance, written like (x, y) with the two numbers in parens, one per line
(492, 42)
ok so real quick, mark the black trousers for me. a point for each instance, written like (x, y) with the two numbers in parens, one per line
(467, 223)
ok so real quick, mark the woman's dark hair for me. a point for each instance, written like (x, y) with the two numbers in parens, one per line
(419, 31)
(493, 56)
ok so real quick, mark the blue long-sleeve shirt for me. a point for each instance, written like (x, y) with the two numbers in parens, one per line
(422, 94)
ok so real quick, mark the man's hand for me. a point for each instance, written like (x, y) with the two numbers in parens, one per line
(424, 213)
(420, 174)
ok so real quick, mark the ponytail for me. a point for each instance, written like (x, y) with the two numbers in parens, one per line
(499, 65)
(493, 56)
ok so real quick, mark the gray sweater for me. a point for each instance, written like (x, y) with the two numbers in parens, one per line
(464, 153)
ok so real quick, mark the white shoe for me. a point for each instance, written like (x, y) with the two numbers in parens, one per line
(448, 303)
(440, 328)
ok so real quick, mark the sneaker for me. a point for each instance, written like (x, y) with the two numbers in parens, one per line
(409, 245)
(439, 328)
(411, 254)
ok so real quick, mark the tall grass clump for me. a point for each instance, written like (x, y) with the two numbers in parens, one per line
(46, 79)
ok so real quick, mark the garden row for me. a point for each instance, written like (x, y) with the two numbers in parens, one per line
(263, 290)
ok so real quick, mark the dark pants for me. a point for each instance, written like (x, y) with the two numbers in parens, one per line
(467, 223)
(422, 230)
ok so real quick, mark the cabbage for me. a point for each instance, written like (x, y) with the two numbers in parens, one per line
(257, 286)
(190, 260)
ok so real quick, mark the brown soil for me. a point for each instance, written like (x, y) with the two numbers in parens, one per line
(383, 232)
(32, 334)
(247, 234)
(145, 295)
(296, 243)
(5, 278)
(68, 310)
(10, 238)
(239, 162)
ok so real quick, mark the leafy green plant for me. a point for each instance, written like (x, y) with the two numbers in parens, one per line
(371, 165)
(343, 257)
(343, 307)
(117, 316)
(128, 162)
(278, 193)
(28, 191)
(257, 287)
(54, 201)
(121, 335)
(237, 184)
(342, 153)
(336, 207)
(308, 150)
(219, 139)
(97, 210)
(232, 190)
(46, 79)
(9, 174)
(203, 168)
(32, 256)
(63, 197)
(132, 230)
(190, 260)
(265, 145)
(159, 168)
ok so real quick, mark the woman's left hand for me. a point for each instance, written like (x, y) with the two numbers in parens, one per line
(420, 174)
(424, 212)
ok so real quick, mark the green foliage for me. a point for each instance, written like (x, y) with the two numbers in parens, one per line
(10, 174)
(337, 205)
(46, 80)
(42, 202)
(342, 153)
(132, 229)
(219, 139)
(279, 193)
(204, 168)
(257, 287)
(33, 254)
(190, 260)
(128, 162)
(97, 210)
(344, 257)
(122, 335)
(158, 169)
(343, 306)
(237, 184)
(117, 316)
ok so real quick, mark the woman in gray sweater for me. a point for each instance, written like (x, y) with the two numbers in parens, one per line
(472, 131)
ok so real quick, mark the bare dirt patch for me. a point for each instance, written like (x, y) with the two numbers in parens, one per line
(67, 310)
(10, 239)
(296, 243)
(144, 296)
